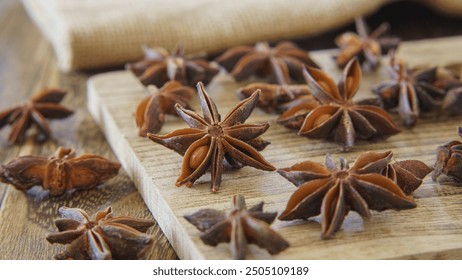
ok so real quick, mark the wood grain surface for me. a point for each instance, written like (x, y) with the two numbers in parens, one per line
(432, 230)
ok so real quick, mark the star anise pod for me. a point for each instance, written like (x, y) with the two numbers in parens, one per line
(42, 105)
(333, 192)
(281, 64)
(274, 98)
(210, 141)
(150, 112)
(409, 92)
(407, 174)
(158, 67)
(58, 173)
(449, 160)
(367, 47)
(239, 227)
(104, 238)
(340, 117)
(449, 79)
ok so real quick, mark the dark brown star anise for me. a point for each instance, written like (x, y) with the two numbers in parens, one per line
(42, 105)
(449, 160)
(158, 67)
(239, 227)
(449, 79)
(104, 238)
(407, 174)
(210, 141)
(409, 92)
(333, 192)
(366, 47)
(340, 117)
(274, 98)
(150, 112)
(280, 64)
(58, 173)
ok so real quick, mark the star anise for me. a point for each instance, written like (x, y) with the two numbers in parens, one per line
(150, 112)
(42, 105)
(449, 160)
(274, 98)
(407, 174)
(449, 79)
(409, 92)
(367, 47)
(340, 117)
(280, 64)
(58, 173)
(158, 67)
(333, 192)
(239, 227)
(104, 238)
(209, 141)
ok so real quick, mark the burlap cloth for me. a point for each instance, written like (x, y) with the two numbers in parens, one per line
(97, 33)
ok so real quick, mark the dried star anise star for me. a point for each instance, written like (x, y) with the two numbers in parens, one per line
(42, 105)
(59, 173)
(449, 79)
(366, 47)
(150, 112)
(338, 116)
(449, 160)
(240, 227)
(283, 62)
(333, 192)
(209, 141)
(409, 92)
(158, 67)
(104, 238)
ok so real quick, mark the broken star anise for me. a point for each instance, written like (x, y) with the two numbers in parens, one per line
(104, 238)
(409, 92)
(210, 141)
(449, 160)
(281, 64)
(58, 173)
(159, 66)
(338, 116)
(333, 192)
(408, 174)
(366, 47)
(150, 112)
(239, 227)
(42, 105)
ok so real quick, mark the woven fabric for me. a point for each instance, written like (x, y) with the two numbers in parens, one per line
(97, 33)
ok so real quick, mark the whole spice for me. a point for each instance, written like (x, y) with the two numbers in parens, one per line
(210, 141)
(280, 64)
(449, 160)
(366, 47)
(448, 79)
(333, 192)
(409, 92)
(58, 173)
(42, 105)
(104, 238)
(150, 112)
(338, 116)
(239, 227)
(158, 67)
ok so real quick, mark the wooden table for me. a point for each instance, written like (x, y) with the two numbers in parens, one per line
(27, 65)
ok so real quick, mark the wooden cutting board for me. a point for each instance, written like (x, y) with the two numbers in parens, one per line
(432, 230)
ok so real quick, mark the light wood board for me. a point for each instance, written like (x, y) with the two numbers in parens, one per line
(432, 230)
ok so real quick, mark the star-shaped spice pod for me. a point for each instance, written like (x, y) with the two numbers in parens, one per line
(409, 92)
(239, 227)
(449, 79)
(449, 160)
(150, 112)
(59, 173)
(159, 66)
(104, 238)
(333, 192)
(42, 106)
(281, 64)
(338, 116)
(210, 141)
(367, 47)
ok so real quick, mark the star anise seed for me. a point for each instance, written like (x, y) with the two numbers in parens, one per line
(104, 238)
(239, 227)
(449, 160)
(42, 105)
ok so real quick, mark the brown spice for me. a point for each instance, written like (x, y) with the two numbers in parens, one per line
(449, 160)
(239, 227)
(408, 174)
